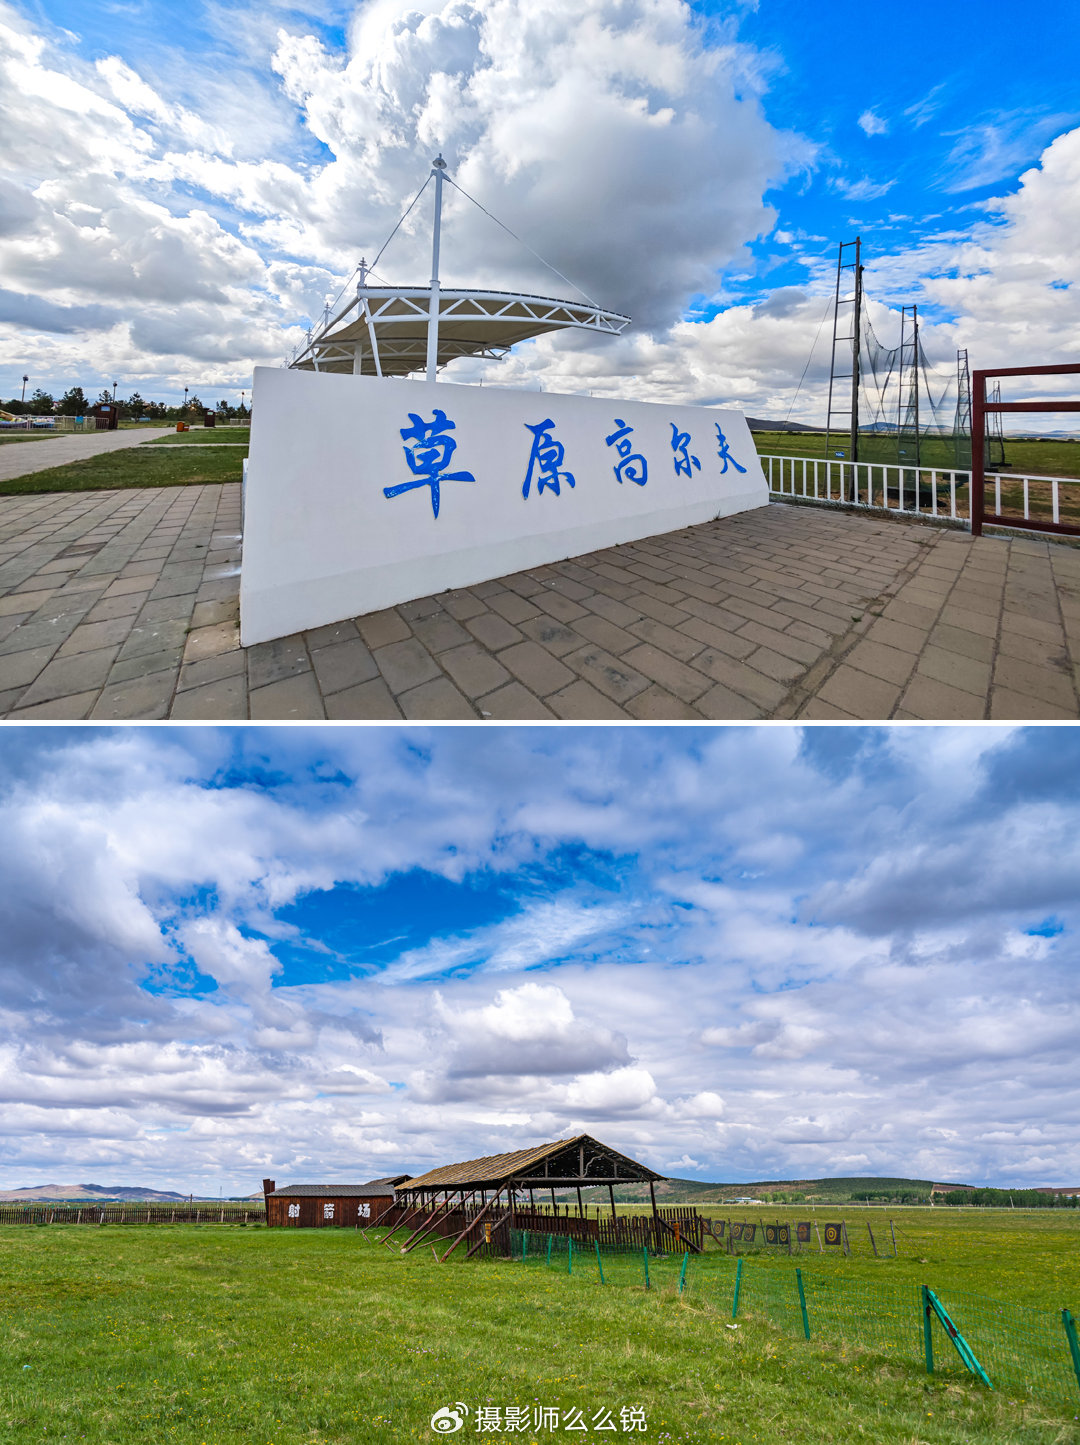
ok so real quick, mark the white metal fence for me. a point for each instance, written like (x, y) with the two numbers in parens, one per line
(925, 491)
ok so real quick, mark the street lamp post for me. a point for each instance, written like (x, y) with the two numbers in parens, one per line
(185, 398)
(24, 381)
(114, 386)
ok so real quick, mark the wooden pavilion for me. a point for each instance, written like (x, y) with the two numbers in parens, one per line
(479, 1201)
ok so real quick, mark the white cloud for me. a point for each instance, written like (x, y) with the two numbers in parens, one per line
(873, 124)
(686, 988)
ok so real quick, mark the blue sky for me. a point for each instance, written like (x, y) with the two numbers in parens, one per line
(738, 954)
(182, 194)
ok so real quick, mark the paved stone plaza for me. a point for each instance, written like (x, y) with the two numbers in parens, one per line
(123, 605)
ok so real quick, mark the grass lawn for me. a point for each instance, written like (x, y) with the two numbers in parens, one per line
(7, 438)
(133, 467)
(274, 1337)
(229, 435)
(1038, 458)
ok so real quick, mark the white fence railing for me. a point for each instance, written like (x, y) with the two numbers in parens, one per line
(924, 491)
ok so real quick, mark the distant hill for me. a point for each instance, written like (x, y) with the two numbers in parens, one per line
(58, 1193)
(755, 423)
(828, 1191)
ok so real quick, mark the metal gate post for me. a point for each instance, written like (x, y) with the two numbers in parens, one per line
(1074, 1349)
(735, 1297)
(977, 486)
(802, 1303)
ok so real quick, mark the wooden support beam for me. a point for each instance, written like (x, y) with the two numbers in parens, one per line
(470, 1227)
(446, 1207)
(482, 1241)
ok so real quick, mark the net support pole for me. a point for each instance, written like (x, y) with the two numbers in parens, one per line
(682, 1272)
(599, 1261)
(738, 1283)
(856, 328)
(437, 168)
(1074, 1348)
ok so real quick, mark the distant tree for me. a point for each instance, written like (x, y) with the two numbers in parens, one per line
(134, 407)
(195, 404)
(16, 406)
(105, 399)
(41, 403)
(73, 402)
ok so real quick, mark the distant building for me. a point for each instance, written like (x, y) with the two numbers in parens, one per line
(319, 1206)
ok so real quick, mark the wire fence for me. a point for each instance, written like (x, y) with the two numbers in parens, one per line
(206, 1212)
(1023, 1350)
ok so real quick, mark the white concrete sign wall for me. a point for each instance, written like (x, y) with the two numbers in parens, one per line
(363, 492)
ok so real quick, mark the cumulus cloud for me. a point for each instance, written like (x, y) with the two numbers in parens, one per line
(743, 953)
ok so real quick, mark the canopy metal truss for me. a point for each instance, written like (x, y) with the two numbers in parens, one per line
(383, 330)
(398, 330)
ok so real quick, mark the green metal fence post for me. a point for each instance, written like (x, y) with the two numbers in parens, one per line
(551, 1241)
(963, 1349)
(682, 1272)
(645, 1259)
(599, 1261)
(802, 1303)
(738, 1282)
(1070, 1334)
(569, 1254)
(525, 1247)
(928, 1337)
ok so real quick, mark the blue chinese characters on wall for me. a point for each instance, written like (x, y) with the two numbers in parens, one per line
(631, 465)
(545, 459)
(723, 451)
(680, 445)
(429, 456)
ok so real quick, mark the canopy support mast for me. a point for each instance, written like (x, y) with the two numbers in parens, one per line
(437, 168)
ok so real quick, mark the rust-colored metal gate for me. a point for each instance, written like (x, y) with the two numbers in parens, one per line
(979, 409)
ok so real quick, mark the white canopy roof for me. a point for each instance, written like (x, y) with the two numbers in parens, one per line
(395, 330)
(383, 331)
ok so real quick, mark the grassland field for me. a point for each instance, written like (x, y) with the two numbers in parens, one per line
(141, 466)
(216, 1335)
(1037, 458)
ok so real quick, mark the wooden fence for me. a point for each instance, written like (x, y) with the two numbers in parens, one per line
(677, 1227)
(206, 1212)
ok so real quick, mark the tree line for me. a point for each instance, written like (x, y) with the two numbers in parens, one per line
(75, 402)
(1003, 1198)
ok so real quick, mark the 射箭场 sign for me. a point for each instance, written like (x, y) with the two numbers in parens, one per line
(365, 492)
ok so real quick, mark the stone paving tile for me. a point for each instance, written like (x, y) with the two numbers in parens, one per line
(225, 699)
(513, 703)
(474, 671)
(405, 665)
(782, 612)
(343, 665)
(437, 699)
(580, 702)
(65, 676)
(367, 701)
(293, 697)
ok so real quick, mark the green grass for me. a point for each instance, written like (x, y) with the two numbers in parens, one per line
(275, 1337)
(234, 435)
(1036, 458)
(139, 466)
